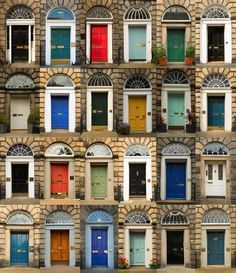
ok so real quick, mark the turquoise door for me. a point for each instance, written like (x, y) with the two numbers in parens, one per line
(216, 112)
(215, 248)
(176, 110)
(137, 43)
(60, 45)
(175, 45)
(137, 249)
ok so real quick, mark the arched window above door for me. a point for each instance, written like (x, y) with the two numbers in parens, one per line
(215, 12)
(60, 14)
(19, 150)
(99, 12)
(99, 217)
(137, 81)
(215, 148)
(176, 77)
(60, 81)
(175, 217)
(215, 216)
(137, 217)
(59, 149)
(98, 150)
(59, 217)
(19, 12)
(176, 14)
(176, 149)
(137, 150)
(20, 81)
(137, 13)
(98, 80)
(19, 218)
(216, 81)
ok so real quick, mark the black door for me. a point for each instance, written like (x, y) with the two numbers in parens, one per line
(99, 109)
(137, 179)
(20, 43)
(175, 247)
(215, 43)
(19, 178)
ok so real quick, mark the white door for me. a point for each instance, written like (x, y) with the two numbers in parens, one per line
(215, 179)
(20, 109)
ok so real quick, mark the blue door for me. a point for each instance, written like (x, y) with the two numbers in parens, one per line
(175, 180)
(215, 248)
(60, 117)
(19, 248)
(137, 43)
(216, 112)
(99, 247)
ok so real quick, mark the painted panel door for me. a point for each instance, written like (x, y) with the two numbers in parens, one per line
(175, 247)
(20, 43)
(20, 109)
(19, 178)
(137, 249)
(215, 179)
(60, 45)
(99, 43)
(176, 110)
(99, 109)
(137, 113)
(216, 112)
(175, 180)
(60, 246)
(137, 43)
(60, 114)
(99, 247)
(59, 179)
(175, 45)
(215, 248)
(19, 248)
(137, 179)
(99, 180)
(216, 43)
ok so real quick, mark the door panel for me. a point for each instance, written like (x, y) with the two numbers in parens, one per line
(137, 249)
(175, 247)
(20, 43)
(137, 43)
(215, 248)
(137, 179)
(59, 179)
(137, 113)
(175, 180)
(99, 180)
(216, 112)
(99, 247)
(60, 115)
(60, 45)
(99, 109)
(60, 246)
(215, 44)
(19, 178)
(175, 42)
(19, 248)
(20, 109)
(176, 110)
(99, 43)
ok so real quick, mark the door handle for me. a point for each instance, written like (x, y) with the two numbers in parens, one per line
(94, 251)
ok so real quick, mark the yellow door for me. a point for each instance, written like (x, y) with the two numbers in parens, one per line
(137, 113)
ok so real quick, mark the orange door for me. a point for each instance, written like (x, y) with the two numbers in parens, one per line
(59, 179)
(137, 113)
(99, 43)
(60, 246)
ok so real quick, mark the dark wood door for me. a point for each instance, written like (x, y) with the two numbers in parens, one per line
(19, 178)
(60, 246)
(175, 247)
(20, 43)
(215, 43)
(137, 178)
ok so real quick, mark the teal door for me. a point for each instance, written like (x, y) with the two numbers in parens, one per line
(137, 249)
(176, 110)
(175, 45)
(60, 45)
(216, 112)
(19, 248)
(215, 248)
(137, 43)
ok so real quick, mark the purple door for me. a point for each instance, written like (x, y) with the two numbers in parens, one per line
(99, 247)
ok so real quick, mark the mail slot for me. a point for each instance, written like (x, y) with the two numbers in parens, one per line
(94, 251)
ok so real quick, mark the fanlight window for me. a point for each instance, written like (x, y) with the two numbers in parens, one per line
(137, 13)
(215, 12)
(215, 148)
(60, 81)
(216, 81)
(176, 149)
(19, 150)
(175, 77)
(60, 14)
(175, 218)
(20, 81)
(59, 149)
(215, 216)
(19, 12)
(98, 150)
(99, 217)
(99, 12)
(137, 82)
(20, 218)
(137, 150)
(59, 217)
(138, 217)
(99, 79)
(176, 13)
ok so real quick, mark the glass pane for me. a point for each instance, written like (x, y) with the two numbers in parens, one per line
(60, 81)
(220, 172)
(60, 14)
(176, 14)
(210, 171)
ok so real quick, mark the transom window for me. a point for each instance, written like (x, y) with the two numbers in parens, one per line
(99, 217)
(176, 13)
(137, 150)
(137, 13)
(215, 216)
(99, 79)
(60, 14)
(176, 149)
(99, 12)
(175, 77)
(19, 12)
(174, 217)
(20, 218)
(137, 82)
(59, 217)
(215, 148)
(60, 81)
(19, 150)
(98, 150)
(20, 81)
(216, 81)
(214, 12)
(59, 149)
(137, 217)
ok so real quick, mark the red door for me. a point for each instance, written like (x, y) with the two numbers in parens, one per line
(59, 179)
(99, 43)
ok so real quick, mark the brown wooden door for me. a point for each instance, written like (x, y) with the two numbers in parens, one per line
(60, 246)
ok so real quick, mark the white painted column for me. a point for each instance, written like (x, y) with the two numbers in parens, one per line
(126, 42)
(47, 115)
(203, 43)
(126, 181)
(71, 112)
(187, 102)
(29, 44)
(48, 44)
(71, 190)
(72, 247)
(149, 110)
(31, 176)
(110, 246)
(109, 28)
(88, 41)
(47, 248)
(149, 180)
(164, 105)
(227, 246)
(73, 42)
(228, 42)
(126, 108)
(31, 243)
(47, 179)
(186, 247)
(188, 179)
(149, 43)
(148, 247)
(8, 183)
(33, 45)
(127, 244)
(89, 111)
(228, 112)
(110, 110)
(10, 44)
(163, 248)
(163, 178)
(203, 119)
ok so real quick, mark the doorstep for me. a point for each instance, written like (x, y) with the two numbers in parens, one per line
(137, 270)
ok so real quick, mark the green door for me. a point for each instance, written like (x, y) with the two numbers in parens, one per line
(176, 110)
(99, 109)
(99, 180)
(175, 42)
(60, 45)
(137, 43)
(137, 249)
